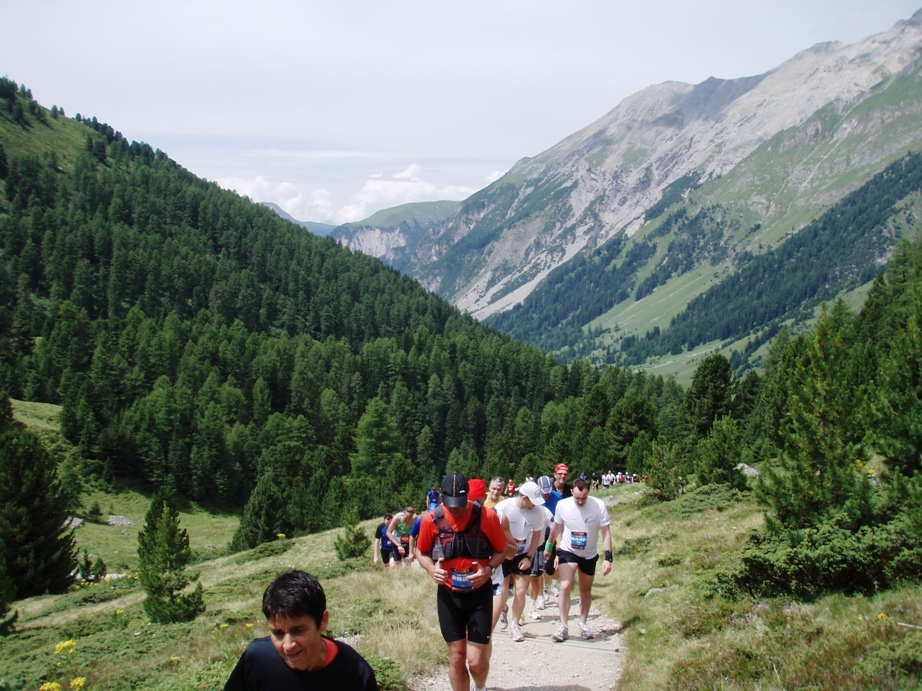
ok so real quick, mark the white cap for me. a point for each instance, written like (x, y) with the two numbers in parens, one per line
(533, 492)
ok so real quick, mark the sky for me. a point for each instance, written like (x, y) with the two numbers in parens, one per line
(337, 109)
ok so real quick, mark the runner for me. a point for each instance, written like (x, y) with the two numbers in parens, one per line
(526, 521)
(495, 494)
(510, 488)
(561, 488)
(460, 545)
(577, 524)
(432, 498)
(398, 532)
(383, 544)
(537, 589)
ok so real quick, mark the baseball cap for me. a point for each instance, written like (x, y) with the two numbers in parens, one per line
(454, 490)
(476, 489)
(532, 491)
(545, 484)
(562, 468)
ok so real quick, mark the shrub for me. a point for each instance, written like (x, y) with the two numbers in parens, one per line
(830, 558)
(354, 543)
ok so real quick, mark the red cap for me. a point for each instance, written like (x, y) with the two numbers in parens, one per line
(562, 467)
(477, 490)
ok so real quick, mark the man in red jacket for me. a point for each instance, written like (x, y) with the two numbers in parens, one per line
(460, 544)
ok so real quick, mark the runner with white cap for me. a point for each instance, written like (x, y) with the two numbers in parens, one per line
(526, 522)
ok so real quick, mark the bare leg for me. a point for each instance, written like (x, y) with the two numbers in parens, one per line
(499, 601)
(518, 602)
(585, 596)
(478, 659)
(457, 666)
(567, 574)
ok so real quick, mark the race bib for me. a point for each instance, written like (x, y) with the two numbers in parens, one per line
(460, 578)
(578, 540)
(520, 546)
(405, 539)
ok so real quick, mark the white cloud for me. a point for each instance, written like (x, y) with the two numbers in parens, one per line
(403, 187)
(305, 202)
(494, 176)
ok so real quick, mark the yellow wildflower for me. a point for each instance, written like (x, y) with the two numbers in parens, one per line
(119, 611)
(249, 626)
(281, 536)
(174, 660)
(222, 626)
(64, 645)
(50, 686)
(881, 616)
(77, 683)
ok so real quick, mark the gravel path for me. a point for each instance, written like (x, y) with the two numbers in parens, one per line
(539, 664)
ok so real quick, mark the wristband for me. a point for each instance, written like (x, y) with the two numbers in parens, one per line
(608, 555)
(548, 546)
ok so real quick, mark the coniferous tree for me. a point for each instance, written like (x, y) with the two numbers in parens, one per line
(163, 554)
(37, 548)
(817, 475)
(264, 515)
(709, 396)
(7, 595)
(719, 453)
(354, 542)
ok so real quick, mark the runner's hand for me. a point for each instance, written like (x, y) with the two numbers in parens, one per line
(479, 577)
(439, 574)
(606, 568)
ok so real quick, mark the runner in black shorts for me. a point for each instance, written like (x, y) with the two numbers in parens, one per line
(465, 615)
(586, 566)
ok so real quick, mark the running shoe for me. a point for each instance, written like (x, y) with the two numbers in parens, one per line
(585, 632)
(515, 633)
(503, 621)
(555, 591)
(540, 602)
(521, 621)
(535, 614)
(561, 634)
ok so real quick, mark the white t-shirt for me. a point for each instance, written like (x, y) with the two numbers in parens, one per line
(581, 525)
(522, 522)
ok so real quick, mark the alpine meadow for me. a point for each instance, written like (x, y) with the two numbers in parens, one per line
(216, 392)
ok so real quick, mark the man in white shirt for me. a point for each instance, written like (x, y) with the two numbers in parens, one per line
(526, 522)
(577, 523)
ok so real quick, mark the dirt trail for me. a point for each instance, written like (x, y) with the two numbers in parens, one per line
(539, 664)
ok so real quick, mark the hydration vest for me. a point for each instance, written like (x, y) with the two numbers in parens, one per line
(470, 543)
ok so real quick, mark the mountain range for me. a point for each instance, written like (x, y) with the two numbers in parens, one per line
(755, 160)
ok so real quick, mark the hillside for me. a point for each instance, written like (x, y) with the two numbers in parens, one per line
(392, 234)
(195, 339)
(759, 156)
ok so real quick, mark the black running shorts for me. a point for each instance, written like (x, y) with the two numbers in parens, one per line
(466, 614)
(511, 566)
(586, 566)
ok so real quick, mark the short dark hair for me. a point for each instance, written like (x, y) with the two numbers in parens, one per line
(388, 517)
(580, 484)
(295, 594)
